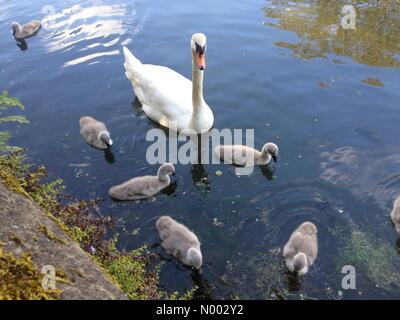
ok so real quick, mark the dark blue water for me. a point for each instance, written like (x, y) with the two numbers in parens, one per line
(268, 68)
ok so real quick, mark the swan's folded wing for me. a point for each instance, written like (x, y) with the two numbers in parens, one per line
(145, 187)
(166, 90)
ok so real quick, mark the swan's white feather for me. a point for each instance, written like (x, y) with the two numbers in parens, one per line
(165, 95)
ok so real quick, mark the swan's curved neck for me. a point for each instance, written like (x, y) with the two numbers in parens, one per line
(163, 177)
(197, 83)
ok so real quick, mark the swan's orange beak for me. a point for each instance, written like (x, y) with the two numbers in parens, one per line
(201, 61)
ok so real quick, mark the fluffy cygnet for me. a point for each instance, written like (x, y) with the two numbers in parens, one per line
(143, 187)
(395, 215)
(301, 250)
(95, 133)
(245, 156)
(179, 241)
(25, 31)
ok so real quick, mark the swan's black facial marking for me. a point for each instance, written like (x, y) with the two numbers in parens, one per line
(273, 156)
(200, 49)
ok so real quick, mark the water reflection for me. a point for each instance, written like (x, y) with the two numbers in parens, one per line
(93, 24)
(267, 172)
(200, 178)
(204, 288)
(398, 246)
(170, 190)
(109, 156)
(375, 41)
(353, 168)
(293, 282)
(22, 44)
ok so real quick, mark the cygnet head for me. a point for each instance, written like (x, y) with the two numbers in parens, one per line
(300, 263)
(15, 27)
(199, 47)
(194, 258)
(166, 170)
(271, 149)
(104, 136)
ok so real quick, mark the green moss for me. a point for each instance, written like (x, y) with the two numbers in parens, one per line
(90, 232)
(374, 258)
(16, 239)
(20, 279)
(130, 273)
(133, 272)
(51, 235)
(78, 234)
(186, 296)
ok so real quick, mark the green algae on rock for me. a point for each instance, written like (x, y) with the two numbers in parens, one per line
(21, 280)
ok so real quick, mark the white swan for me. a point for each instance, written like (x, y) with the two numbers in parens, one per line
(168, 97)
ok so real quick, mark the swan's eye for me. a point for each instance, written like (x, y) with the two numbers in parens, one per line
(200, 50)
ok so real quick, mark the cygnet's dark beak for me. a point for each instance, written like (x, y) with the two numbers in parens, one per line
(273, 156)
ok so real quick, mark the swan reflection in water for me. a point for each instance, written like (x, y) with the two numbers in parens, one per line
(22, 44)
(204, 288)
(109, 156)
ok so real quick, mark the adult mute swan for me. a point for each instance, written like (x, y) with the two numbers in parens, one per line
(168, 97)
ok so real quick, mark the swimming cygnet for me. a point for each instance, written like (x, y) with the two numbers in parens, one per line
(245, 156)
(395, 215)
(143, 187)
(26, 31)
(179, 241)
(301, 250)
(95, 133)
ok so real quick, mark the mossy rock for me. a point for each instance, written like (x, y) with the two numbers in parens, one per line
(21, 280)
